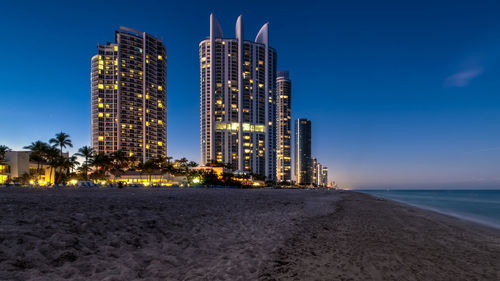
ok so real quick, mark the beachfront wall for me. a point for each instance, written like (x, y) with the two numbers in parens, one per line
(146, 179)
(219, 171)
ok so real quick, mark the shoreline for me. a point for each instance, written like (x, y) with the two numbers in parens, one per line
(462, 216)
(372, 238)
(235, 234)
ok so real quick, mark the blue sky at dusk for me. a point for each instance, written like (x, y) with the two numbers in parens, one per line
(400, 93)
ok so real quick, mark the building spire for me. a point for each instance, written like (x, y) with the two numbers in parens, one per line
(239, 28)
(215, 29)
(263, 35)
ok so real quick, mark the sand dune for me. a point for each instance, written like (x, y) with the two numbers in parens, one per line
(229, 234)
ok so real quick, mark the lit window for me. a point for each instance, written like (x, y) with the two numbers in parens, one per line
(220, 126)
(101, 114)
(101, 105)
(101, 138)
(160, 88)
(160, 57)
(116, 48)
(101, 86)
(259, 128)
(246, 127)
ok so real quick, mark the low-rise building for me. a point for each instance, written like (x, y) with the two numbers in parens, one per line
(17, 164)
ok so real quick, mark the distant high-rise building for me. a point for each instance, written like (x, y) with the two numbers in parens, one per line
(238, 100)
(129, 96)
(283, 127)
(303, 161)
(324, 177)
(314, 171)
(319, 173)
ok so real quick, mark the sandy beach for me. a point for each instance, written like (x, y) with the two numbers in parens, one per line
(231, 234)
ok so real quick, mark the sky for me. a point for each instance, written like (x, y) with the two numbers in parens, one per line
(401, 94)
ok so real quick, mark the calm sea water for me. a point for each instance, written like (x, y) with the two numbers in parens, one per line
(482, 206)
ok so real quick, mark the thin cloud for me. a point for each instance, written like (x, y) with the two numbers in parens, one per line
(462, 79)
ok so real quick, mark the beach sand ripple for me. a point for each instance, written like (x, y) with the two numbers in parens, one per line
(231, 234)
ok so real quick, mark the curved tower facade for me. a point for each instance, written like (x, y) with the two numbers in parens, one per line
(238, 100)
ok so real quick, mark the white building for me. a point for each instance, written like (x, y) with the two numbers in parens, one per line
(238, 100)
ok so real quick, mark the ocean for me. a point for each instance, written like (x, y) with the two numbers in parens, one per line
(481, 206)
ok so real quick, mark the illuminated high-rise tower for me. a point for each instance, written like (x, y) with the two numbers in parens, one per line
(283, 127)
(129, 96)
(303, 159)
(238, 100)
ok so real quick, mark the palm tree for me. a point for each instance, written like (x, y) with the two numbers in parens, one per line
(149, 167)
(67, 165)
(102, 163)
(3, 150)
(169, 159)
(87, 152)
(62, 140)
(119, 162)
(38, 154)
(120, 159)
(182, 165)
(71, 163)
(54, 160)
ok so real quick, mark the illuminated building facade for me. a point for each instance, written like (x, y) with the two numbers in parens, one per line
(18, 164)
(128, 96)
(324, 177)
(283, 127)
(319, 174)
(303, 160)
(238, 100)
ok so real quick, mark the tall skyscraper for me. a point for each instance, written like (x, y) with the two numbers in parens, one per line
(283, 127)
(303, 161)
(238, 100)
(129, 96)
